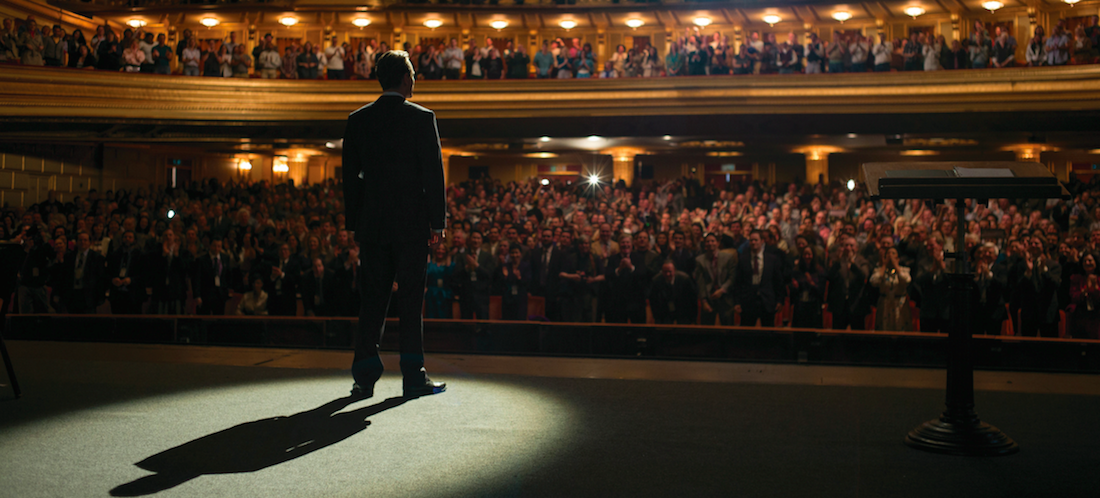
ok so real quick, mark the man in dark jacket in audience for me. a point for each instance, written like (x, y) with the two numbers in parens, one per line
(672, 296)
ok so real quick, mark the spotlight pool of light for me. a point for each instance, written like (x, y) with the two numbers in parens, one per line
(851, 184)
(268, 435)
(545, 182)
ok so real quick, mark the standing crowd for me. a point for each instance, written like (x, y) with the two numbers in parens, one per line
(672, 250)
(692, 54)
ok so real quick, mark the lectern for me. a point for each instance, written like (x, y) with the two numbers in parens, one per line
(959, 431)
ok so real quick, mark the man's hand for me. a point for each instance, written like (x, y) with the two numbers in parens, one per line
(437, 237)
(198, 302)
(737, 308)
(718, 293)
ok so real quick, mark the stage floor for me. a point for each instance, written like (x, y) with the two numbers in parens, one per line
(127, 420)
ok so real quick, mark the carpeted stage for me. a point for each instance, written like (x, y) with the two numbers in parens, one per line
(129, 420)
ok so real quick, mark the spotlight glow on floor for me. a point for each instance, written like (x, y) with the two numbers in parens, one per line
(290, 438)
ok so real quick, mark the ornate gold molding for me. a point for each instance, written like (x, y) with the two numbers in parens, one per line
(55, 94)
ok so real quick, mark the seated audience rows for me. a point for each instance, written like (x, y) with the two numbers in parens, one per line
(670, 251)
(692, 54)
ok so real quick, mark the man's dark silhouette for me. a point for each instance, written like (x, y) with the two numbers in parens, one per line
(393, 189)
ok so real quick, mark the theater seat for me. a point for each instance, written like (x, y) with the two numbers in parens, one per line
(914, 315)
(869, 320)
(495, 307)
(536, 305)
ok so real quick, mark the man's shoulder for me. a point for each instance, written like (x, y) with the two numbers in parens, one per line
(418, 108)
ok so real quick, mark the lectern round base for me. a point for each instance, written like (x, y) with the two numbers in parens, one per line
(968, 439)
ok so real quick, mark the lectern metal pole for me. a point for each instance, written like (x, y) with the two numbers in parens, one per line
(959, 431)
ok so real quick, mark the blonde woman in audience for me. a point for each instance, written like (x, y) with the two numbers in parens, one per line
(254, 302)
(1036, 54)
(892, 281)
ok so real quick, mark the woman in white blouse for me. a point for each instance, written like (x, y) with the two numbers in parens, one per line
(254, 303)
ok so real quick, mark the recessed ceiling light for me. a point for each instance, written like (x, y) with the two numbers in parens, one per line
(852, 135)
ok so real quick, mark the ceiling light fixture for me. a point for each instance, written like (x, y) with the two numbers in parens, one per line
(1071, 2)
(772, 19)
(635, 23)
(288, 21)
(136, 23)
(842, 15)
(209, 22)
(361, 22)
(568, 24)
(702, 21)
(914, 11)
(992, 5)
(499, 24)
(433, 23)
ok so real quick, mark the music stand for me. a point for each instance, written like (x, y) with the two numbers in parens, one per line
(11, 259)
(959, 431)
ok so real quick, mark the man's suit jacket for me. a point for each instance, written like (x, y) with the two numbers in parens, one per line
(476, 282)
(206, 270)
(393, 178)
(772, 287)
(627, 288)
(552, 284)
(850, 297)
(705, 278)
(320, 298)
(93, 283)
(673, 302)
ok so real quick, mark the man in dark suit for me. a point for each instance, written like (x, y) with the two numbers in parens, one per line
(847, 278)
(318, 288)
(758, 283)
(681, 256)
(672, 296)
(546, 262)
(714, 271)
(213, 277)
(395, 200)
(86, 291)
(475, 271)
(124, 270)
(281, 283)
(627, 282)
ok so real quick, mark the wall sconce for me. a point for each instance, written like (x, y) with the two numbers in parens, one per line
(279, 165)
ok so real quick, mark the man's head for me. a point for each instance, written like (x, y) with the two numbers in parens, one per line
(475, 240)
(83, 241)
(668, 270)
(626, 245)
(756, 241)
(284, 251)
(710, 243)
(395, 72)
(641, 241)
(128, 238)
(547, 237)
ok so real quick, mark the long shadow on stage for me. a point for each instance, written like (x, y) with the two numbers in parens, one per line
(255, 445)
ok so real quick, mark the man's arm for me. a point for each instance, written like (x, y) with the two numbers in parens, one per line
(431, 160)
(353, 184)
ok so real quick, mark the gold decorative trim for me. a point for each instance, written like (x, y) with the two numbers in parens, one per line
(49, 94)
